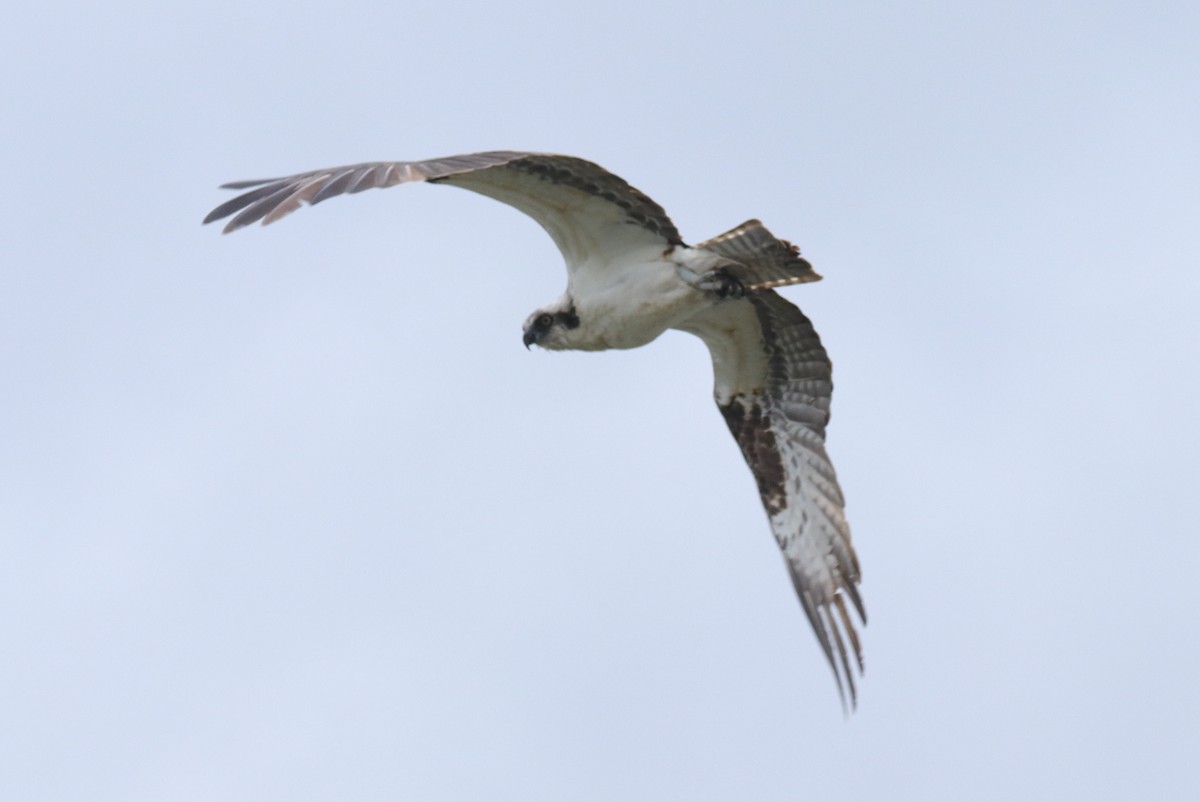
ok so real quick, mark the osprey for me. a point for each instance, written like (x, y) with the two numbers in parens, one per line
(630, 277)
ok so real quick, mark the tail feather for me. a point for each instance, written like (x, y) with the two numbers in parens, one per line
(766, 261)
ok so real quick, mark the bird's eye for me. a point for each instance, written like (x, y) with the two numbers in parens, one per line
(545, 321)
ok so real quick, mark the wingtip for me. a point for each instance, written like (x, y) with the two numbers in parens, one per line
(213, 217)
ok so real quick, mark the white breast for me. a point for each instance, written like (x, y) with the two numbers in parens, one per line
(629, 303)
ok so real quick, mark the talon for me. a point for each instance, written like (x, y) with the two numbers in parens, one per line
(722, 283)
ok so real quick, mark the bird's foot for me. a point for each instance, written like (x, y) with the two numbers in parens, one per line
(722, 282)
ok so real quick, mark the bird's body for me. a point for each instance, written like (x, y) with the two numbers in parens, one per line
(630, 277)
(631, 302)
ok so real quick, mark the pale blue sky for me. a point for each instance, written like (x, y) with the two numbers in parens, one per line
(292, 514)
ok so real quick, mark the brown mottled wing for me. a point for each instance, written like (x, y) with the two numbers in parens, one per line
(766, 260)
(773, 385)
(585, 209)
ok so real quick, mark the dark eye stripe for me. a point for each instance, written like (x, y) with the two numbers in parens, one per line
(568, 319)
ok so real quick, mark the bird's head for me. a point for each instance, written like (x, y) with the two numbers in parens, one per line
(552, 327)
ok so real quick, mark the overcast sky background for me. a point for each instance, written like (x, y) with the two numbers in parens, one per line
(292, 515)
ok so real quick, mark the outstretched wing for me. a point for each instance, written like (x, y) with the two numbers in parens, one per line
(773, 385)
(589, 212)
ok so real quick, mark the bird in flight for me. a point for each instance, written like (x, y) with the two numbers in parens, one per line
(630, 277)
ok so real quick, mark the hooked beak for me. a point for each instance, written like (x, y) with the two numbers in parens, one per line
(531, 337)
